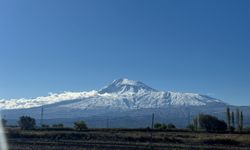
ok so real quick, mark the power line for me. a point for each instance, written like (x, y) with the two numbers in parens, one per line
(188, 117)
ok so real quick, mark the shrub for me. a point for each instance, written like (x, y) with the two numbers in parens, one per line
(60, 125)
(164, 126)
(191, 127)
(232, 129)
(171, 126)
(80, 125)
(45, 126)
(247, 128)
(211, 123)
(221, 142)
(27, 123)
(157, 126)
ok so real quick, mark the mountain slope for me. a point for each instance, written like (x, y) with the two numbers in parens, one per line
(121, 94)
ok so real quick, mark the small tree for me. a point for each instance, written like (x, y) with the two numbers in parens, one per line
(164, 126)
(238, 119)
(233, 122)
(60, 125)
(191, 127)
(157, 126)
(232, 128)
(45, 126)
(27, 123)
(241, 121)
(80, 125)
(171, 126)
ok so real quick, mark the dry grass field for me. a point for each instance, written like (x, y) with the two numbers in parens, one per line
(124, 139)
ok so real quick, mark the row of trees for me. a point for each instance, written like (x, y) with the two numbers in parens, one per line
(205, 122)
(234, 120)
(230, 117)
(164, 126)
(28, 123)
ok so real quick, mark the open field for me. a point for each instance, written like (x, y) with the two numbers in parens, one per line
(124, 139)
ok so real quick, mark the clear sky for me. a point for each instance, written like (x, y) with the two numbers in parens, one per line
(200, 46)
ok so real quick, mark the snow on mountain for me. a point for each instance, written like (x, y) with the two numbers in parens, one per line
(120, 94)
(122, 86)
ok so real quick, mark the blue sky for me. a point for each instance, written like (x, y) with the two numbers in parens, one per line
(198, 46)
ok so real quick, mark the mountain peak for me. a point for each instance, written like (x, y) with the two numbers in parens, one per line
(123, 85)
(125, 81)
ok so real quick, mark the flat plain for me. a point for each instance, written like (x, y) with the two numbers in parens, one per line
(124, 139)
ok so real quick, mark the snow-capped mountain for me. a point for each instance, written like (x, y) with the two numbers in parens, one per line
(123, 94)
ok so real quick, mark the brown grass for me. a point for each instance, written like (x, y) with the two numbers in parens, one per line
(122, 139)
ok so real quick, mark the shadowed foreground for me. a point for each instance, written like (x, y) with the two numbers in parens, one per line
(124, 139)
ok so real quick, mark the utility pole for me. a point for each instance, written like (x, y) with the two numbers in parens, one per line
(41, 121)
(188, 117)
(152, 128)
(198, 121)
(153, 119)
(228, 117)
(107, 122)
(238, 119)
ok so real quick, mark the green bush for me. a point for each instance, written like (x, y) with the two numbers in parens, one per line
(171, 126)
(191, 127)
(211, 123)
(80, 125)
(27, 123)
(157, 126)
(164, 126)
(45, 126)
(221, 142)
(60, 125)
(232, 129)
